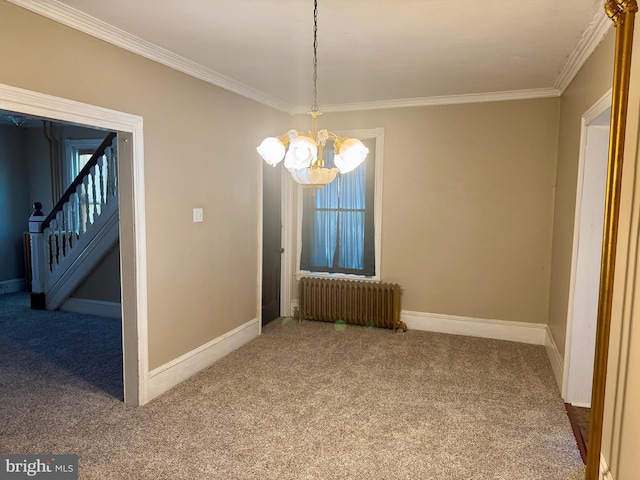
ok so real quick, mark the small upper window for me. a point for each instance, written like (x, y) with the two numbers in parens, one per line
(79, 151)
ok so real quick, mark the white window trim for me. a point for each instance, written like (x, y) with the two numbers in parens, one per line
(364, 134)
(72, 145)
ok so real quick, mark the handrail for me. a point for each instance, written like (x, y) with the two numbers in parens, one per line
(93, 161)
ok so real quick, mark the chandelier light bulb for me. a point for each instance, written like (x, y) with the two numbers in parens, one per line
(302, 153)
(351, 152)
(271, 150)
(18, 120)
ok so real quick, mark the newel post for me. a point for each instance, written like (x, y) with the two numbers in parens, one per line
(38, 262)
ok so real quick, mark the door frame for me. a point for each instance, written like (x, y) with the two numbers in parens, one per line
(575, 366)
(287, 186)
(133, 255)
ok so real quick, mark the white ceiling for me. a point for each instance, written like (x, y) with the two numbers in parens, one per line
(381, 51)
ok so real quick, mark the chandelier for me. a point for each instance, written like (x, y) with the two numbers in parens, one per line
(302, 154)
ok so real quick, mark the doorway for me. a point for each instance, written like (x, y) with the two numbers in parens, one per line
(587, 250)
(83, 313)
(271, 242)
(132, 217)
(582, 314)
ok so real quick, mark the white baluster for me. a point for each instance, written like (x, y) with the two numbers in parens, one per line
(63, 230)
(102, 165)
(59, 237)
(110, 185)
(94, 196)
(67, 239)
(78, 200)
(47, 248)
(85, 199)
(53, 243)
(72, 217)
(69, 217)
(79, 209)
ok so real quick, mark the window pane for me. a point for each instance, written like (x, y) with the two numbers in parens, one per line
(83, 158)
(353, 188)
(327, 197)
(351, 254)
(324, 241)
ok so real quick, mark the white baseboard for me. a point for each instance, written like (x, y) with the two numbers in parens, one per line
(170, 374)
(12, 286)
(556, 360)
(533, 333)
(605, 471)
(92, 307)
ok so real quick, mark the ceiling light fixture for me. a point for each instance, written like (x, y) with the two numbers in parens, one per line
(303, 157)
(18, 120)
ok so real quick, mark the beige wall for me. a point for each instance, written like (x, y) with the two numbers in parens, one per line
(621, 428)
(103, 283)
(37, 154)
(593, 80)
(199, 144)
(467, 205)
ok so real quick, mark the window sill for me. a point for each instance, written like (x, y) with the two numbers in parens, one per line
(338, 276)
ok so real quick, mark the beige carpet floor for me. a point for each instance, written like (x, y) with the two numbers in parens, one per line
(311, 401)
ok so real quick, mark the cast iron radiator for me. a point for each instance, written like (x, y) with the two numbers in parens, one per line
(355, 302)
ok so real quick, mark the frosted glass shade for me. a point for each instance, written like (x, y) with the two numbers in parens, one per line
(351, 153)
(302, 152)
(314, 177)
(271, 150)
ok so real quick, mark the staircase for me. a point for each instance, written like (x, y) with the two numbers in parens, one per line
(68, 243)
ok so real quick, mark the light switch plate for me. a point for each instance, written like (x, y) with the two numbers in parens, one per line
(197, 215)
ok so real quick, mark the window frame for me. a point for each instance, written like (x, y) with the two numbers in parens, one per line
(72, 146)
(363, 134)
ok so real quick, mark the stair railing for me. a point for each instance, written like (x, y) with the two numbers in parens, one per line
(55, 235)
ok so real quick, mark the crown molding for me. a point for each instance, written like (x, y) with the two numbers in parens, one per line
(61, 13)
(442, 100)
(593, 35)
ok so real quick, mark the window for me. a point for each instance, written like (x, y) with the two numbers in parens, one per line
(78, 153)
(340, 225)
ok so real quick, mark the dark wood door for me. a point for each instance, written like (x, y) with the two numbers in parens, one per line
(271, 245)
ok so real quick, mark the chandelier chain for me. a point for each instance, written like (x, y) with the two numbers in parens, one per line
(314, 107)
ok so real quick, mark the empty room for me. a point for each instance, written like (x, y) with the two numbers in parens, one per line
(317, 239)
